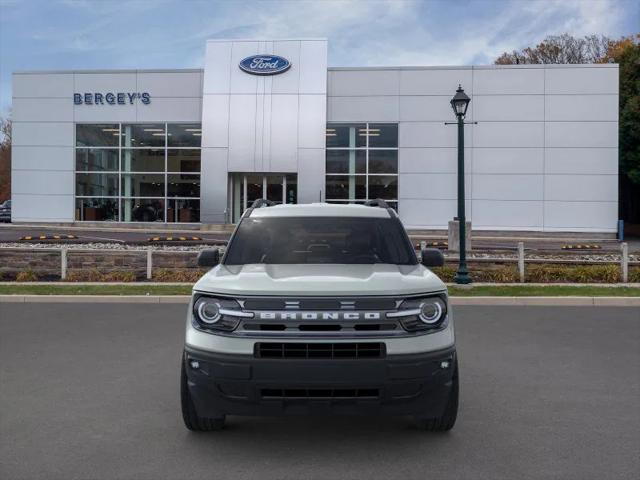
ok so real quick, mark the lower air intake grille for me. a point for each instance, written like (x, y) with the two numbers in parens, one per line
(320, 350)
(333, 393)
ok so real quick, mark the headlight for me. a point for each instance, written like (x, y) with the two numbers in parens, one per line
(208, 310)
(425, 313)
(217, 313)
(431, 311)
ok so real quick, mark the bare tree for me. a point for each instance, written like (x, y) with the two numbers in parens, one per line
(5, 159)
(560, 49)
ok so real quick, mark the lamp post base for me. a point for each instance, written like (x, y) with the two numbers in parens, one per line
(462, 277)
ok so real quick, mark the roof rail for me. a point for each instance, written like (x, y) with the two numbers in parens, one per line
(262, 202)
(377, 202)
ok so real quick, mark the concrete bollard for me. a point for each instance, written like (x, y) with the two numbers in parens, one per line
(521, 261)
(453, 236)
(624, 262)
(63, 263)
(149, 262)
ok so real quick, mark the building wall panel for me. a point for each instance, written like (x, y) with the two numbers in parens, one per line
(177, 109)
(431, 186)
(42, 85)
(432, 160)
(581, 216)
(588, 188)
(362, 109)
(55, 134)
(38, 182)
(499, 161)
(368, 83)
(42, 158)
(171, 84)
(508, 108)
(505, 214)
(508, 187)
(42, 208)
(581, 79)
(435, 81)
(581, 108)
(508, 81)
(581, 134)
(42, 110)
(596, 161)
(427, 108)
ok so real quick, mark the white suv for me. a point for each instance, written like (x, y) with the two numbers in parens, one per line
(319, 309)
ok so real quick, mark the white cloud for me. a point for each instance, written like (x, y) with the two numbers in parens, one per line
(398, 32)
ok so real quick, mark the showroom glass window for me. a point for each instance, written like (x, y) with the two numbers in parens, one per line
(362, 162)
(147, 172)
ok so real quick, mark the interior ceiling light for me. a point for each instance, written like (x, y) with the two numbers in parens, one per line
(153, 129)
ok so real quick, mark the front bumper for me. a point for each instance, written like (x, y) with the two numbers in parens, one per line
(227, 384)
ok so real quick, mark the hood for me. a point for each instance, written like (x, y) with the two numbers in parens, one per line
(319, 280)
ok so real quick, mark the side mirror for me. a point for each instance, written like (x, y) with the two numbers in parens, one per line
(432, 257)
(209, 258)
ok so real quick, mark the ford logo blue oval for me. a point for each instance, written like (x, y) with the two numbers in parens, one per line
(265, 64)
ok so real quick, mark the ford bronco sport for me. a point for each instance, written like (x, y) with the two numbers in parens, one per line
(323, 309)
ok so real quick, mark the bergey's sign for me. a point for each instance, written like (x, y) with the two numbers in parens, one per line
(110, 98)
(265, 64)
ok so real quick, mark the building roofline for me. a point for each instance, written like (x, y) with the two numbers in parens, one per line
(331, 69)
(228, 40)
(478, 67)
(104, 70)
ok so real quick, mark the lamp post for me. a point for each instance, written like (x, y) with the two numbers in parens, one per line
(460, 103)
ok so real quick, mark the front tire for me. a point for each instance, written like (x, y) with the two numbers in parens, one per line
(189, 414)
(445, 422)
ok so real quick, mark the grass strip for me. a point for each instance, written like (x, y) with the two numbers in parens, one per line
(479, 291)
(544, 291)
(135, 289)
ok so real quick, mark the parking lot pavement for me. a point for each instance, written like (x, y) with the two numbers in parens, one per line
(91, 391)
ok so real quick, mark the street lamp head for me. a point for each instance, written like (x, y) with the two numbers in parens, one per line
(460, 102)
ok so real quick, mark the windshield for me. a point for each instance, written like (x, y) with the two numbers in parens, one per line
(307, 240)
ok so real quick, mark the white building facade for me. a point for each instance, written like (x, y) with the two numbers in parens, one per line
(270, 119)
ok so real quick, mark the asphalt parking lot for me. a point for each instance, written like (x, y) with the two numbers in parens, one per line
(91, 391)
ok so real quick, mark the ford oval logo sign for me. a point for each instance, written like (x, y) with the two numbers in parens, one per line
(265, 64)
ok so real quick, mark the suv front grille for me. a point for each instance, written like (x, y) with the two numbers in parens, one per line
(329, 304)
(311, 393)
(320, 350)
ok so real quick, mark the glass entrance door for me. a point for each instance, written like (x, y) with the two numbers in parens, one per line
(245, 188)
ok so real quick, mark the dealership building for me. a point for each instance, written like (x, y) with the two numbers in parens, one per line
(270, 119)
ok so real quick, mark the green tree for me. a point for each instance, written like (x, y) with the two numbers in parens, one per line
(600, 49)
(626, 52)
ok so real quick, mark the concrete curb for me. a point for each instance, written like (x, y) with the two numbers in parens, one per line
(471, 301)
(548, 301)
(94, 298)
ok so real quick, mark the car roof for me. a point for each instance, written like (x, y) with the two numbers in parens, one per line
(320, 210)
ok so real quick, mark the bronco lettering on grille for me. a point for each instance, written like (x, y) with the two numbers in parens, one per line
(318, 315)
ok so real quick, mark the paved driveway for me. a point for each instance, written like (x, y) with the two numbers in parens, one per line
(91, 391)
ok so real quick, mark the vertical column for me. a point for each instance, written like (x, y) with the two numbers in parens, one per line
(625, 262)
(521, 261)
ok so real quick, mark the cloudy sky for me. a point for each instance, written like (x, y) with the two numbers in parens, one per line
(111, 34)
